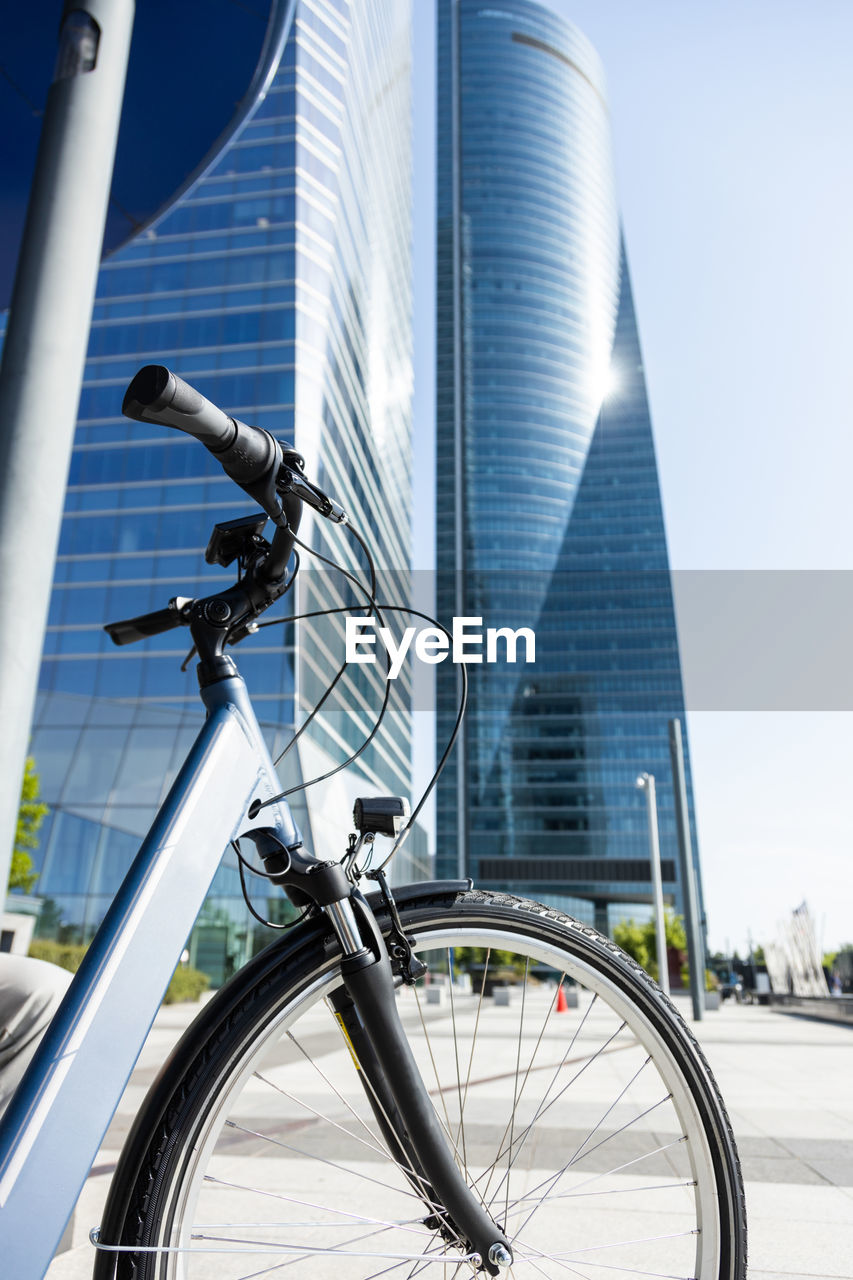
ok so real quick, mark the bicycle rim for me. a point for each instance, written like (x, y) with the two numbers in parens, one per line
(592, 1133)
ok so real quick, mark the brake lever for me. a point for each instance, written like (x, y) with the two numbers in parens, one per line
(290, 481)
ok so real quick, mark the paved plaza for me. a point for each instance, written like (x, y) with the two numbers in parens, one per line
(787, 1084)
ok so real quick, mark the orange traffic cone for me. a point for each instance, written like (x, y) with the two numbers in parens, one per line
(562, 1002)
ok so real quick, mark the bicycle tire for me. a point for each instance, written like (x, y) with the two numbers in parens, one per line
(186, 1134)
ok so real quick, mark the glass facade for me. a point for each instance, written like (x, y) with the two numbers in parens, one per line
(549, 516)
(277, 282)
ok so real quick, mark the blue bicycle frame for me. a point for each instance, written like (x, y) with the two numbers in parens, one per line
(57, 1119)
(63, 1106)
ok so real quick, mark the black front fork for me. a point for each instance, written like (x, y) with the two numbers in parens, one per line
(367, 1011)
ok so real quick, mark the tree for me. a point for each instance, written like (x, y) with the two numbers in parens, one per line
(467, 958)
(640, 940)
(31, 815)
(631, 937)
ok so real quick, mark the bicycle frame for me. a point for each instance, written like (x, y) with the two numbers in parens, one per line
(51, 1132)
(56, 1120)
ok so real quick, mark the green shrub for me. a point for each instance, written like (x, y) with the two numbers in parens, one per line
(712, 982)
(631, 937)
(640, 940)
(501, 963)
(66, 954)
(186, 984)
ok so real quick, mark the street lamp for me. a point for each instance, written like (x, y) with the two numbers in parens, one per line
(646, 782)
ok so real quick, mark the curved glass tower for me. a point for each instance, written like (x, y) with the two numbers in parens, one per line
(277, 282)
(549, 511)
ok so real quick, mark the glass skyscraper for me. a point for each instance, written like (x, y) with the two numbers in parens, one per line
(277, 281)
(548, 506)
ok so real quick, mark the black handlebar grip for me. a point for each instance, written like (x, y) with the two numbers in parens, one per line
(158, 395)
(147, 624)
(249, 455)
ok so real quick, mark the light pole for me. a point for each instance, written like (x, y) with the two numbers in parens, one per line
(695, 937)
(646, 782)
(45, 349)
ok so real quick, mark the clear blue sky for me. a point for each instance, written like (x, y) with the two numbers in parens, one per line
(731, 124)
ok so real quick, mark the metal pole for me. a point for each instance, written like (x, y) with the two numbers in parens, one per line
(695, 940)
(646, 782)
(459, 436)
(45, 351)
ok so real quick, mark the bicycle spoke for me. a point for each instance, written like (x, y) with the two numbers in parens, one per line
(634, 1271)
(613, 1104)
(539, 1110)
(474, 1040)
(381, 1146)
(311, 1155)
(280, 1266)
(515, 1083)
(417, 1181)
(427, 1261)
(446, 1125)
(541, 1067)
(279, 1195)
(456, 1054)
(543, 1109)
(371, 1146)
(395, 1224)
(406, 1169)
(629, 1124)
(607, 1191)
(566, 1195)
(572, 1270)
(617, 1244)
(614, 1244)
(306, 1250)
(604, 1266)
(551, 1183)
(416, 1269)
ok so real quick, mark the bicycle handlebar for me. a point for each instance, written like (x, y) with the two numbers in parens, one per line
(129, 630)
(249, 455)
(268, 470)
(158, 395)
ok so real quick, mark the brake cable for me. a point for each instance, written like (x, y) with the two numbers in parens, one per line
(302, 786)
(460, 714)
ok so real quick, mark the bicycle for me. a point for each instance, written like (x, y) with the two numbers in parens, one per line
(320, 1114)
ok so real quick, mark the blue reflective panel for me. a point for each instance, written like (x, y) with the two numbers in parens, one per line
(88, 641)
(68, 869)
(119, 678)
(97, 756)
(140, 775)
(163, 677)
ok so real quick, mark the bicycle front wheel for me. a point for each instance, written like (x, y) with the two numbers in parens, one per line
(574, 1098)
